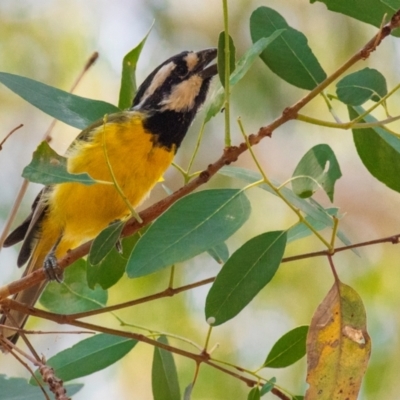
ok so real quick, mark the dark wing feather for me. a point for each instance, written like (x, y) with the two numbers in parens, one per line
(19, 233)
(27, 231)
(33, 230)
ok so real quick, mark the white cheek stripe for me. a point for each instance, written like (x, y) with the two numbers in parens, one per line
(157, 81)
(183, 95)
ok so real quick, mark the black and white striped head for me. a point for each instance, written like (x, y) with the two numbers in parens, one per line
(178, 84)
(172, 94)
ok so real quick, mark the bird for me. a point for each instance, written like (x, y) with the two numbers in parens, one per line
(140, 144)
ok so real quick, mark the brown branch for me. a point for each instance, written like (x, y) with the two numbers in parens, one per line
(13, 350)
(197, 357)
(56, 385)
(394, 239)
(169, 292)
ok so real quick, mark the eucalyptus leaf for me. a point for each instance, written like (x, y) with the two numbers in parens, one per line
(111, 268)
(128, 78)
(358, 87)
(247, 271)
(73, 295)
(48, 168)
(221, 57)
(319, 166)
(267, 387)
(191, 226)
(290, 56)
(20, 389)
(105, 242)
(378, 150)
(219, 252)
(164, 378)
(310, 207)
(89, 356)
(242, 67)
(290, 348)
(254, 394)
(76, 111)
(369, 11)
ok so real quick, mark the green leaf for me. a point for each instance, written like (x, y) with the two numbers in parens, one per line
(128, 79)
(110, 270)
(369, 11)
(300, 230)
(246, 272)
(267, 387)
(309, 207)
(290, 348)
(358, 87)
(320, 164)
(317, 213)
(393, 4)
(289, 56)
(298, 397)
(48, 168)
(191, 226)
(89, 356)
(254, 394)
(105, 242)
(66, 107)
(20, 389)
(242, 67)
(73, 295)
(164, 378)
(188, 392)
(220, 253)
(221, 57)
(378, 150)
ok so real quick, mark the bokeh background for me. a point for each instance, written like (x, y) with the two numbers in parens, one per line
(50, 41)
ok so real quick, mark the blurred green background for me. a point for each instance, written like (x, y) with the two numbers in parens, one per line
(51, 40)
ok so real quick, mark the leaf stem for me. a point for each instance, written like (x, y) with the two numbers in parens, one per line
(171, 277)
(348, 125)
(278, 192)
(208, 337)
(114, 179)
(334, 231)
(195, 151)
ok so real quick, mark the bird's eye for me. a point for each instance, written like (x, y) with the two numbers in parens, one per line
(181, 69)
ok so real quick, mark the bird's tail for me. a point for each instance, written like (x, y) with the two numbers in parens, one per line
(17, 319)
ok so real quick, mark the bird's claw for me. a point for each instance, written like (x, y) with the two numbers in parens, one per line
(52, 270)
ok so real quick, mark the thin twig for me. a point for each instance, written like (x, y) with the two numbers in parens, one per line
(9, 134)
(12, 349)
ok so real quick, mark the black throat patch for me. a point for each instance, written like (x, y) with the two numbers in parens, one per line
(169, 127)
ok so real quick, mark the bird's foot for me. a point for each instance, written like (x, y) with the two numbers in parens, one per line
(52, 270)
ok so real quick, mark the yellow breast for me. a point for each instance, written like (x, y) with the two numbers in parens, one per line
(137, 163)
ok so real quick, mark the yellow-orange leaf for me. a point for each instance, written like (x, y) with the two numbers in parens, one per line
(338, 346)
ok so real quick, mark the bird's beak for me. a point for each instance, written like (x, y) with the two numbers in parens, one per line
(205, 57)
